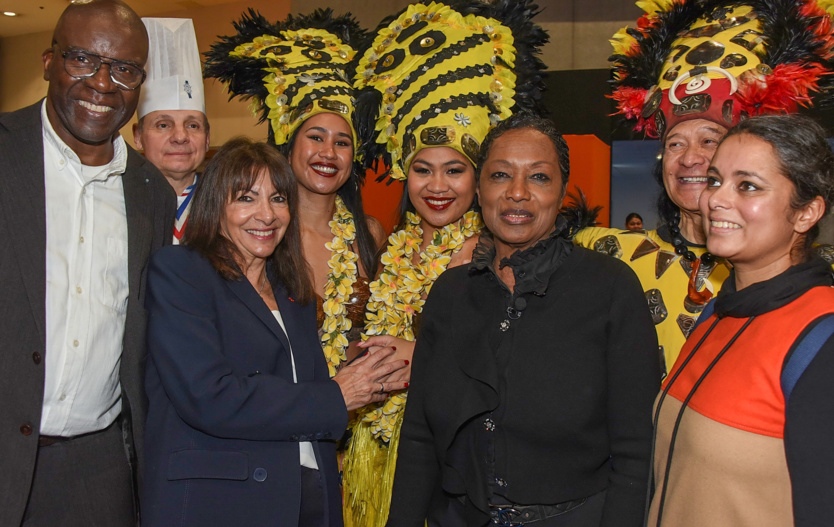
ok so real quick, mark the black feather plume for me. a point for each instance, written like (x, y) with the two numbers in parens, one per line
(578, 213)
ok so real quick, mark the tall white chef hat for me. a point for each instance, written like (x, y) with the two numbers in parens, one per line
(175, 79)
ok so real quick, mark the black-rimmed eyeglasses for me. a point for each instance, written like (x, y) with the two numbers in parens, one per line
(82, 64)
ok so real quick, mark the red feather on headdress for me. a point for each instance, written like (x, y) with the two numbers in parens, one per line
(787, 88)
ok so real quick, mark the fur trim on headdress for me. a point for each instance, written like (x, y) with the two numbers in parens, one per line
(794, 44)
(443, 74)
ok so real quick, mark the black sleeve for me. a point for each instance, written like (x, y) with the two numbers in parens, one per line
(809, 441)
(633, 384)
(418, 473)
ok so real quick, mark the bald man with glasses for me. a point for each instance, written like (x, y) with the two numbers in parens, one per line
(80, 213)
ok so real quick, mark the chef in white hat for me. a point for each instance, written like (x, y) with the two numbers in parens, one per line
(173, 130)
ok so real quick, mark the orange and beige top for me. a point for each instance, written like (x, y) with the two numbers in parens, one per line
(729, 466)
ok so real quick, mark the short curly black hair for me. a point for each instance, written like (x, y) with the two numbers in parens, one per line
(541, 124)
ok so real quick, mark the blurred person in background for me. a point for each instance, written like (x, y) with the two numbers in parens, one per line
(634, 222)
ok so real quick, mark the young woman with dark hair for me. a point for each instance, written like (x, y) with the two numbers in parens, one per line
(744, 421)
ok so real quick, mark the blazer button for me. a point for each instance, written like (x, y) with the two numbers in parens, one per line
(36, 358)
(319, 436)
(259, 475)
(26, 429)
(294, 437)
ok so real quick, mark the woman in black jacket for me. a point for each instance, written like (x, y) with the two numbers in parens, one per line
(536, 366)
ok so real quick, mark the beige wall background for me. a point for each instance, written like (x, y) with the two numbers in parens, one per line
(579, 32)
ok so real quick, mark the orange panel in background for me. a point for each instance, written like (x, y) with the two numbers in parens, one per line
(382, 201)
(590, 170)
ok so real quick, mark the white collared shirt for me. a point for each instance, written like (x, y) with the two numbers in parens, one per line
(305, 448)
(86, 287)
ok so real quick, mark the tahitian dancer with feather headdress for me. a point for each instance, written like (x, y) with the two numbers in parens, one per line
(432, 84)
(688, 72)
(297, 71)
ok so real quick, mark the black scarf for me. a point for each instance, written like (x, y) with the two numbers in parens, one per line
(780, 290)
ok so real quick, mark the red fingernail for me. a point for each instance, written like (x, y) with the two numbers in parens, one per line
(406, 362)
(406, 385)
(394, 348)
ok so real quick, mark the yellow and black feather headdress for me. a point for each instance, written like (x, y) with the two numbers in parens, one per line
(292, 69)
(442, 75)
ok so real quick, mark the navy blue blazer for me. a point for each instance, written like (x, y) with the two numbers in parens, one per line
(225, 417)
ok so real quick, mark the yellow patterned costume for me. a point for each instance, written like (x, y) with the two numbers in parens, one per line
(665, 277)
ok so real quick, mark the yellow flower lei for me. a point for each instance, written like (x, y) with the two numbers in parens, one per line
(398, 294)
(339, 286)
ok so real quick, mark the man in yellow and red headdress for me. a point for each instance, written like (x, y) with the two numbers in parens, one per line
(687, 73)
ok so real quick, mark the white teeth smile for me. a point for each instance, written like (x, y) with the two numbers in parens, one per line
(724, 225)
(437, 202)
(260, 233)
(95, 107)
(694, 179)
(516, 216)
(326, 170)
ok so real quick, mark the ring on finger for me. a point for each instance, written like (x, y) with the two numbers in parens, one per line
(381, 388)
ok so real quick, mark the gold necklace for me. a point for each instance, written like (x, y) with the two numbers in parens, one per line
(339, 287)
(399, 293)
(263, 283)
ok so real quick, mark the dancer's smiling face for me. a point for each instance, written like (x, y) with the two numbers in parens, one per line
(441, 185)
(322, 154)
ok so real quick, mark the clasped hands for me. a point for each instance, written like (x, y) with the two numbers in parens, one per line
(385, 367)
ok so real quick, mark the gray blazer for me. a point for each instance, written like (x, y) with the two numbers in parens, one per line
(150, 205)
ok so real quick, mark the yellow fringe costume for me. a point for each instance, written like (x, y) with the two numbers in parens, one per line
(396, 298)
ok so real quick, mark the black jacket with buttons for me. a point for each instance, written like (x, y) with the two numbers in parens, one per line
(542, 407)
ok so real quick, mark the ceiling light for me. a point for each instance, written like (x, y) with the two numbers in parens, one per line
(9, 13)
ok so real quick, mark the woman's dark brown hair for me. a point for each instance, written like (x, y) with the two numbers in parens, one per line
(233, 170)
(805, 158)
(351, 194)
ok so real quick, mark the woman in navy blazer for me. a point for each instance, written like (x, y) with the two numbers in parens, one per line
(243, 418)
